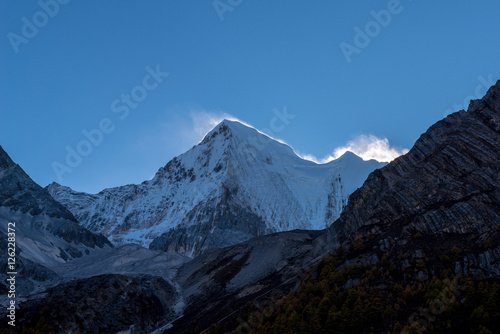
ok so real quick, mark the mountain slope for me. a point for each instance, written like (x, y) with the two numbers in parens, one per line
(236, 184)
(434, 211)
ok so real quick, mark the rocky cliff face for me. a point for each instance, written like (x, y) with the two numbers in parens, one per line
(447, 187)
(235, 185)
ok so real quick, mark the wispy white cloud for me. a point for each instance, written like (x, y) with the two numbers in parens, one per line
(370, 147)
(180, 129)
(204, 121)
(365, 146)
(173, 135)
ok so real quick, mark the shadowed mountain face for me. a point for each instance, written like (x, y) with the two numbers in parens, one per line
(447, 186)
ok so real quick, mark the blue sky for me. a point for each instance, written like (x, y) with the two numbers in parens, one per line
(247, 59)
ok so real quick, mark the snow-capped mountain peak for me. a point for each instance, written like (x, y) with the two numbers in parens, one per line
(249, 143)
(235, 184)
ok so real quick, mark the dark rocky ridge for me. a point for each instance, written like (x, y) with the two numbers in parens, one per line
(19, 193)
(448, 184)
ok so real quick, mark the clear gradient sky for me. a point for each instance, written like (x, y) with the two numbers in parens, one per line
(247, 59)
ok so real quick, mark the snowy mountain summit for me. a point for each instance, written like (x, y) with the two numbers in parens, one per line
(237, 183)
